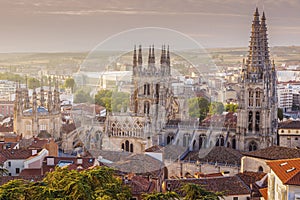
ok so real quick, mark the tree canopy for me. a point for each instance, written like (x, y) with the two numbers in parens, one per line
(112, 101)
(70, 83)
(82, 96)
(231, 107)
(216, 108)
(97, 183)
(198, 107)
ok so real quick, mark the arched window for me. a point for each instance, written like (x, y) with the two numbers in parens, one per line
(123, 147)
(220, 140)
(131, 147)
(126, 145)
(252, 146)
(251, 98)
(260, 169)
(257, 99)
(170, 138)
(233, 141)
(147, 89)
(250, 119)
(146, 107)
(257, 121)
(202, 139)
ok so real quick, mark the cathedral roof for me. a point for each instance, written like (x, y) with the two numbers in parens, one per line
(39, 109)
(216, 155)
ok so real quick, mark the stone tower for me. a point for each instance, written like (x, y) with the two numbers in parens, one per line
(37, 116)
(257, 113)
(151, 94)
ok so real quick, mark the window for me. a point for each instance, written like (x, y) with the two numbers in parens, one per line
(146, 107)
(250, 121)
(257, 121)
(296, 138)
(235, 198)
(17, 170)
(260, 169)
(251, 98)
(252, 146)
(9, 164)
(257, 98)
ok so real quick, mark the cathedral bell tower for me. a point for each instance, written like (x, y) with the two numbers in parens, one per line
(257, 112)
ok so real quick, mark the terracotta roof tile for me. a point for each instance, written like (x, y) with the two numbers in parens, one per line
(71, 163)
(155, 148)
(264, 193)
(31, 172)
(12, 154)
(275, 153)
(288, 170)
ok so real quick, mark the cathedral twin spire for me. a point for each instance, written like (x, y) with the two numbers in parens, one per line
(138, 61)
(258, 60)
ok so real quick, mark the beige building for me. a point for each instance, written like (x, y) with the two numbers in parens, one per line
(256, 161)
(37, 116)
(289, 133)
(283, 180)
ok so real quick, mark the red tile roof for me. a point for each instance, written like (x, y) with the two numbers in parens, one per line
(15, 154)
(86, 163)
(264, 193)
(275, 153)
(140, 185)
(288, 170)
(30, 172)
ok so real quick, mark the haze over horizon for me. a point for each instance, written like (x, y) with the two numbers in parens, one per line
(74, 25)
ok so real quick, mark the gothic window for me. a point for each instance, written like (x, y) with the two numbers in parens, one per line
(260, 169)
(148, 89)
(123, 147)
(257, 99)
(257, 121)
(202, 139)
(170, 138)
(131, 147)
(146, 107)
(233, 141)
(126, 145)
(145, 89)
(220, 140)
(252, 146)
(250, 121)
(250, 98)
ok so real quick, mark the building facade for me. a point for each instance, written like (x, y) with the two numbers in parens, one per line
(257, 113)
(35, 116)
(152, 105)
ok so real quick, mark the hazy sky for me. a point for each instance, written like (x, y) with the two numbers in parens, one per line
(79, 25)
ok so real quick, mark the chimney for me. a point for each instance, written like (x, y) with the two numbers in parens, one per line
(33, 152)
(50, 161)
(79, 161)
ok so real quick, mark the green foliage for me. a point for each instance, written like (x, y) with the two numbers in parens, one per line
(280, 114)
(104, 98)
(33, 83)
(198, 107)
(97, 183)
(112, 101)
(216, 108)
(161, 196)
(70, 83)
(194, 191)
(231, 107)
(82, 96)
(11, 77)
